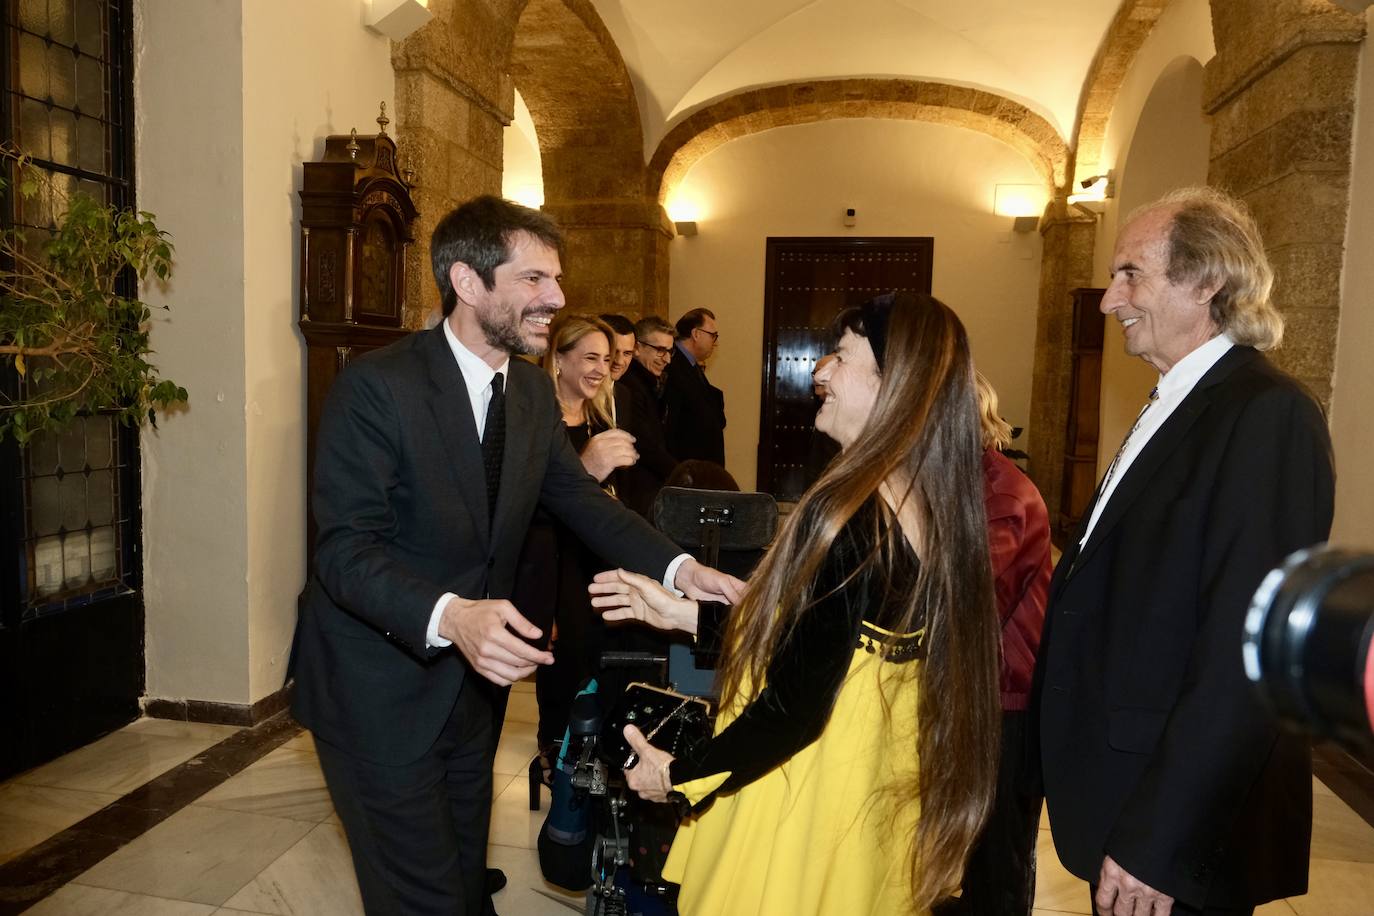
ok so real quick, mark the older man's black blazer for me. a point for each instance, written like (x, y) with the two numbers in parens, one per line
(401, 503)
(1156, 751)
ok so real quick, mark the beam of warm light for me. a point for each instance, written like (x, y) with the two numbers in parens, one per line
(684, 207)
(1018, 200)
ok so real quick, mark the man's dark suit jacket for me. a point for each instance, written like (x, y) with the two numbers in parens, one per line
(693, 412)
(637, 412)
(1156, 750)
(401, 502)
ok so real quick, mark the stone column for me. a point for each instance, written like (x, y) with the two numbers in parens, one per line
(1066, 264)
(1281, 93)
(453, 97)
(617, 256)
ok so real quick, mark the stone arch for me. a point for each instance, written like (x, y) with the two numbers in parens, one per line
(757, 110)
(573, 78)
(455, 82)
(574, 81)
(1128, 30)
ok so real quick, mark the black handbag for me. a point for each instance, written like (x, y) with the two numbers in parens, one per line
(671, 721)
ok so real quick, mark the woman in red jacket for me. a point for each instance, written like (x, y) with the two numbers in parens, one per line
(1000, 877)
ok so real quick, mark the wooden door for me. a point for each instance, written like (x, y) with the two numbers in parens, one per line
(807, 282)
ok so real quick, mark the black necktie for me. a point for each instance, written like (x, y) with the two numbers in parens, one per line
(494, 442)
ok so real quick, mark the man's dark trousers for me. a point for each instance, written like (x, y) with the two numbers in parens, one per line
(436, 851)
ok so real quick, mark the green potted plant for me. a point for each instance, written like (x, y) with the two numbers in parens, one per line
(77, 343)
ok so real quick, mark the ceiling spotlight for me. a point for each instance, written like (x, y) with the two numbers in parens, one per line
(1097, 187)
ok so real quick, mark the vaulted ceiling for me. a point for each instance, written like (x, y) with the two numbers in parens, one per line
(684, 54)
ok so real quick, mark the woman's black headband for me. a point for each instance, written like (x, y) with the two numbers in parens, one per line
(875, 314)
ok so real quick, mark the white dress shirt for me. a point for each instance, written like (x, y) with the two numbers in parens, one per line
(477, 375)
(1173, 387)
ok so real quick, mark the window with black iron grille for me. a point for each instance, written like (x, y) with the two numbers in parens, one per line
(70, 527)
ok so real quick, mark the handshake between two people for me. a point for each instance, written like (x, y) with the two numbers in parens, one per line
(492, 634)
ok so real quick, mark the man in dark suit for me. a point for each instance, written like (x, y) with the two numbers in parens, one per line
(432, 454)
(1171, 787)
(637, 409)
(693, 408)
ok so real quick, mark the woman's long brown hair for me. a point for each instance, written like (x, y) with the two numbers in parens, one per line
(923, 439)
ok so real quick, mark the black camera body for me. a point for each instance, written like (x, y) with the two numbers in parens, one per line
(600, 837)
(1307, 644)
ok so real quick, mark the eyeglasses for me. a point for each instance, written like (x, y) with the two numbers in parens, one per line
(714, 335)
(665, 352)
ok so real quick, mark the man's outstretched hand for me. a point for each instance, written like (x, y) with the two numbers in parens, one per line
(478, 630)
(706, 584)
(622, 595)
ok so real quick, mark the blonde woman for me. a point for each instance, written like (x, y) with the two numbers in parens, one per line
(579, 362)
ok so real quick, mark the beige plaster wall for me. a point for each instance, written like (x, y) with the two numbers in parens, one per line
(190, 147)
(1157, 140)
(1352, 422)
(1169, 150)
(904, 179)
(299, 92)
(230, 101)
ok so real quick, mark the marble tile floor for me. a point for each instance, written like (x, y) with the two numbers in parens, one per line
(265, 841)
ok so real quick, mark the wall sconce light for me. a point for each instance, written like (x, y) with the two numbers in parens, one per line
(396, 19)
(687, 227)
(684, 206)
(1022, 202)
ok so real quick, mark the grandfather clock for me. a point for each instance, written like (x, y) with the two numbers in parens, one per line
(356, 218)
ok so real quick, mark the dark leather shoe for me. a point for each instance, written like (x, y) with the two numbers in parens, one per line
(496, 879)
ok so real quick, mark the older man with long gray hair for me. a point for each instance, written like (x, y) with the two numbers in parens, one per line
(1171, 788)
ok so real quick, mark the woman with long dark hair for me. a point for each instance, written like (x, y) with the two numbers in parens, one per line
(855, 753)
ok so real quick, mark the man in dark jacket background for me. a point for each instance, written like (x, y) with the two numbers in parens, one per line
(693, 408)
(638, 409)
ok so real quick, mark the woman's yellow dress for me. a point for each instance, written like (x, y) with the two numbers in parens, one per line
(826, 831)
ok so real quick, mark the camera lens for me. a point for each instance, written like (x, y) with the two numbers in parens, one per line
(1307, 641)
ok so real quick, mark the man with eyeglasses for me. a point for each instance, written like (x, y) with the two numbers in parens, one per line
(653, 350)
(637, 405)
(693, 408)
